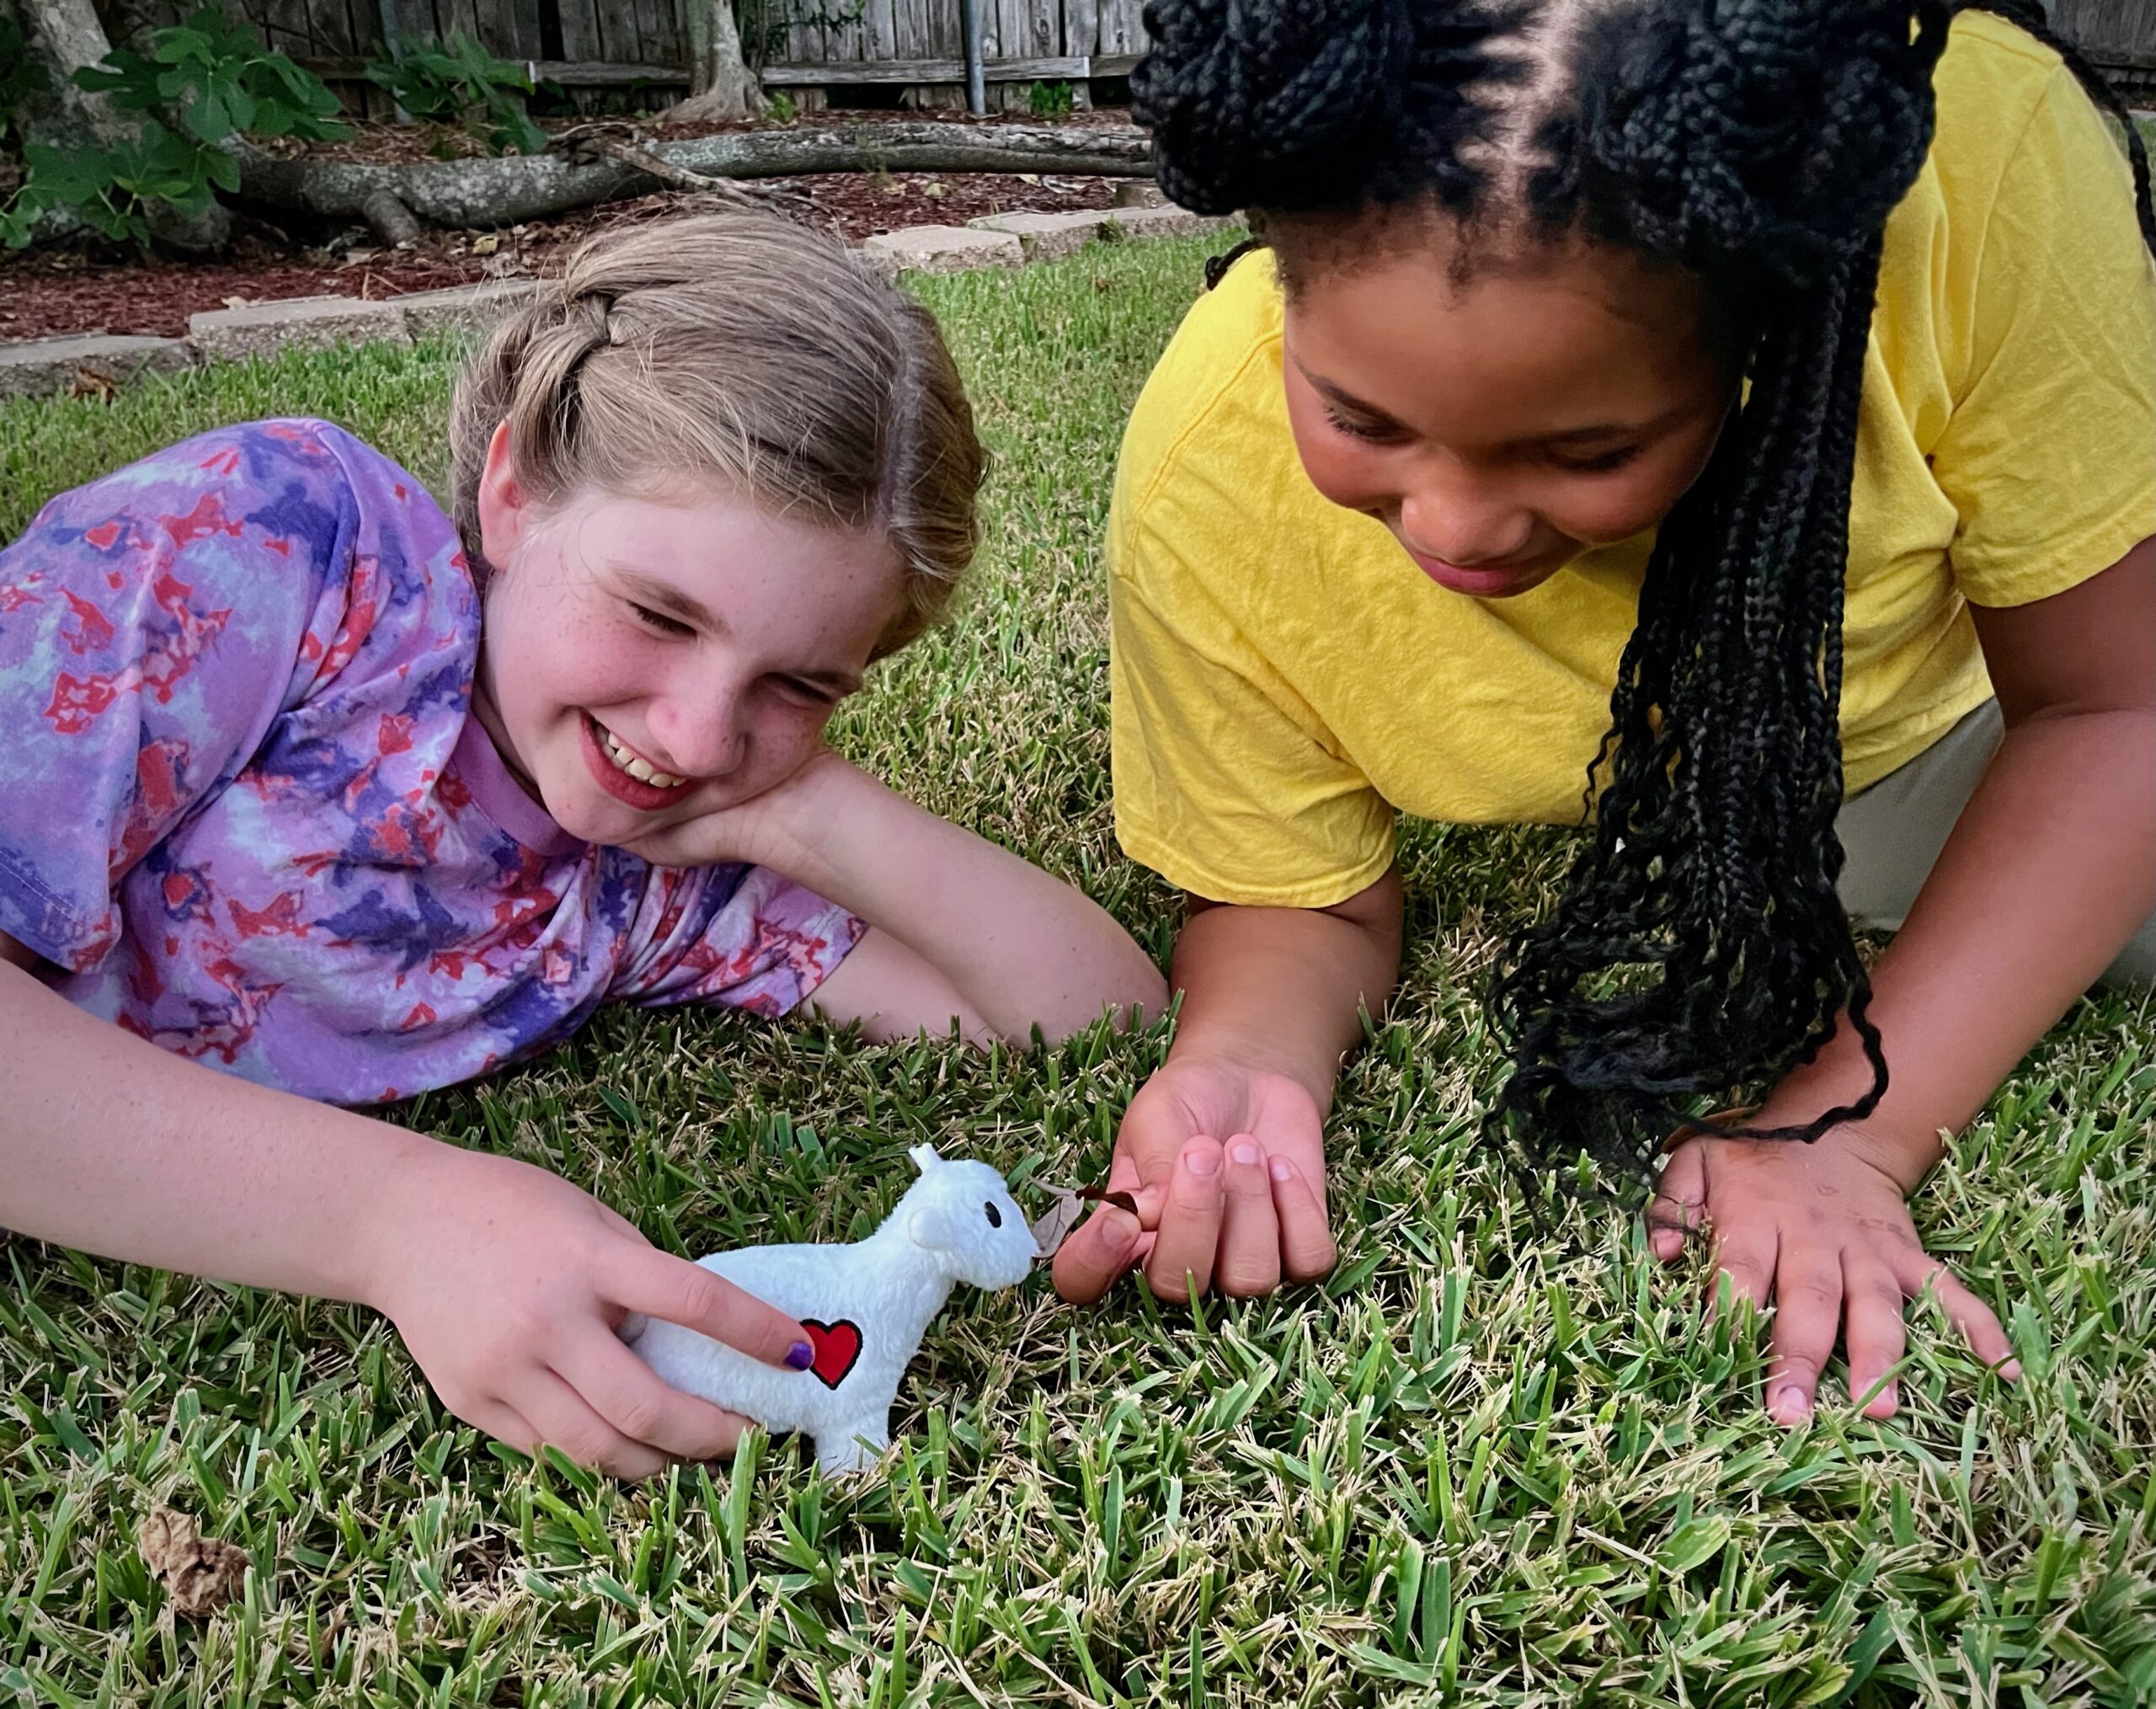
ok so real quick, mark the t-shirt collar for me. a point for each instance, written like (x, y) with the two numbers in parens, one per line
(502, 798)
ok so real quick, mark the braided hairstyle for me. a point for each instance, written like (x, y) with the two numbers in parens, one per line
(742, 351)
(1699, 946)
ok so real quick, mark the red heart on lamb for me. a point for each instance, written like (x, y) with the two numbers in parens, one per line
(838, 1348)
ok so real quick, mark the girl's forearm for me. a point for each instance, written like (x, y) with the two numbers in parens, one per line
(1022, 947)
(1284, 989)
(112, 1146)
(2051, 868)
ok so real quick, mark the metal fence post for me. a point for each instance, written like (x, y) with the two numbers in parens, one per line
(976, 84)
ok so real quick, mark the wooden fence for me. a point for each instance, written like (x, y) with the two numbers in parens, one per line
(909, 49)
(2120, 35)
(918, 43)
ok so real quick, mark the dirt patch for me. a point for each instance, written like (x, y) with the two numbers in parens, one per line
(50, 293)
(46, 295)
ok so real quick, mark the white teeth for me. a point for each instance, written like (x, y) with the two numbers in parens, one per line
(635, 764)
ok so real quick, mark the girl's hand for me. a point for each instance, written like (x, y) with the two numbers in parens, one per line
(764, 830)
(1825, 1229)
(507, 1284)
(1227, 1164)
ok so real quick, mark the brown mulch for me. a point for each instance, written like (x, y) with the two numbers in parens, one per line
(49, 293)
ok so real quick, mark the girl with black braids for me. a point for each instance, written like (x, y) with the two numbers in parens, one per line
(1744, 408)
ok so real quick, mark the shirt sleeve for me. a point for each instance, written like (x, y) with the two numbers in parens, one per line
(1226, 782)
(152, 624)
(742, 938)
(2050, 454)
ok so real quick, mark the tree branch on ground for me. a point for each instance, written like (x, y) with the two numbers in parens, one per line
(469, 194)
(617, 140)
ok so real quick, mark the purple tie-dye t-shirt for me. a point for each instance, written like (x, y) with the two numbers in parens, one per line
(245, 811)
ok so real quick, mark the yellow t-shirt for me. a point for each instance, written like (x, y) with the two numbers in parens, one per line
(1284, 677)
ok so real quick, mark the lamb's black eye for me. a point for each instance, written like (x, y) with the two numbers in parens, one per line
(994, 1216)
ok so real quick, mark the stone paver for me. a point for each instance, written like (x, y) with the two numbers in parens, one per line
(1043, 236)
(262, 329)
(942, 249)
(997, 240)
(35, 366)
(463, 308)
(1167, 221)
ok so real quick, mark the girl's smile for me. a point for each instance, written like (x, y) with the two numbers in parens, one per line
(625, 773)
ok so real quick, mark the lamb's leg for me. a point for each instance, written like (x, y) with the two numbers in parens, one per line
(853, 1447)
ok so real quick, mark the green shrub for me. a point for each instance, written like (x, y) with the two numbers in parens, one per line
(1050, 99)
(457, 82)
(220, 81)
(111, 190)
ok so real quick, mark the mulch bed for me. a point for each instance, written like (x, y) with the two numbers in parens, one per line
(49, 293)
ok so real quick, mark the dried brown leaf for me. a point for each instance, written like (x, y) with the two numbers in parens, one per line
(198, 1573)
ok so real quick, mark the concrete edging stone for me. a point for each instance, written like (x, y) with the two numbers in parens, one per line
(34, 368)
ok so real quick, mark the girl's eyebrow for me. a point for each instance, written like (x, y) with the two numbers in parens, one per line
(1604, 429)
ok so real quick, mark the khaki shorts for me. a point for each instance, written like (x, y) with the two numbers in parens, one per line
(1894, 831)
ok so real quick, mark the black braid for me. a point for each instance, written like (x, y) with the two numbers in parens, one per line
(1700, 947)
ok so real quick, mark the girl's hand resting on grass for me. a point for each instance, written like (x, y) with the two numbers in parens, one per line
(1825, 1229)
(1227, 1165)
(507, 1284)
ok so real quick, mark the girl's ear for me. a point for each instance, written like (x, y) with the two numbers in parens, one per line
(504, 505)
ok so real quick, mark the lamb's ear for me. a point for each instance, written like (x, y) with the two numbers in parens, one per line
(928, 1226)
(924, 1157)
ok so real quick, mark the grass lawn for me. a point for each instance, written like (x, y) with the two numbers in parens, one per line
(1477, 1466)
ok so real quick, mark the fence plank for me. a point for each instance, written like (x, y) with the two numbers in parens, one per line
(329, 26)
(849, 38)
(530, 37)
(579, 22)
(284, 23)
(880, 29)
(1123, 30)
(1082, 26)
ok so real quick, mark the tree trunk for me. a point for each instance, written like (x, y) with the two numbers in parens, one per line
(464, 195)
(721, 85)
(61, 36)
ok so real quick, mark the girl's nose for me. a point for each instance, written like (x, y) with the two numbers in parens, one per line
(705, 733)
(1463, 521)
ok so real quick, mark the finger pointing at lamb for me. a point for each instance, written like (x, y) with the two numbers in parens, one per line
(659, 1287)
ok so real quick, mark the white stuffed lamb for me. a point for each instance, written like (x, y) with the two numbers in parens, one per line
(865, 1306)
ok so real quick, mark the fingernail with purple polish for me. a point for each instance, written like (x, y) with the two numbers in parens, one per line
(801, 1356)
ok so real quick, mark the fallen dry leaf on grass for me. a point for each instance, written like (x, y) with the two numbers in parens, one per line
(198, 1573)
(1055, 1227)
(1051, 1230)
